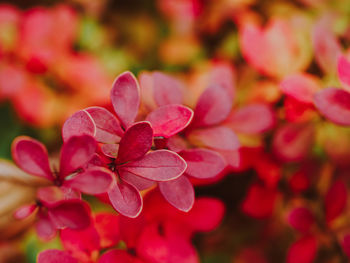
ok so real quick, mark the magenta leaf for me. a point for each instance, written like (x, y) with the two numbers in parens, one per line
(178, 192)
(80, 123)
(125, 96)
(213, 106)
(169, 119)
(137, 181)
(108, 129)
(335, 200)
(252, 119)
(126, 199)
(136, 142)
(301, 219)
(76, 153)
(96, 180)
(344, 71)
(334, 104)
(52, 194)
(167, 90)
(203, 163)
(221, 138)
(24, 211)
(55, 256)
(303, 251)
(161, 165)
(31, 156)
(74, 214)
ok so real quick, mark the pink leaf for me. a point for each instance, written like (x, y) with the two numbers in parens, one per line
(213, 106)
(126, 199)
(96, 180)
(292, 142)
(74, 214)
(335, 200)
(334, 104)
(80, 123)
(44, 227)
(52, 194)
(167, 90)
(31, 156)
(346, 245)
(252, 119)
(178, 192)
(344, 71)
(108, 129)
(125, 97)
(203, 163)
(300, 86)
(169, 119)
(24, 211)
(76, 153)
(161, 165)
(221, 138)
(135, 143)
(110, 150)
(55, 256)
(303, 251)
(301, 219)
(137, 181)
(116, 255)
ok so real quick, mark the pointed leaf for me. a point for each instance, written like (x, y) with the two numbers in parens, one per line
(31, 156)
(335, 200)
(166, 89)
(55, 256)
(135, 143)
(169, 119)
(161, 165)
(126, 199)
(108, 129)
(213, 106)
(24, 211)
(178, 192)
(74, 214)
(96, 180)
(203, 163)
(80, 123)
(221, 138)
(125, 97)
(76, 153)
(334, 104)
(137, 181)
(344, 71)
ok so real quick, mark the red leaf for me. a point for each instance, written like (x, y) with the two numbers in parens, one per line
(31, 156)
(126, 199)
(178, 192)
(346, 245)
(167, 90)
(252, 119)
(44, 227)
(221, 138)
(334, 104)
(74, 214)
(301, 219)
(116, 255)
(139, 182)
(110, 150)
(292, 142)
(335, 200)
(303, 251)
(107, 226)
(161, 165)
(135, 143)
(203, 163)
(96, 180)
(55, 256)
(344, 71)
(213, 106)
(108, 129)
(80, 123)
(169, 120)
(125, 97)
(300, 86)
(76, 152)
